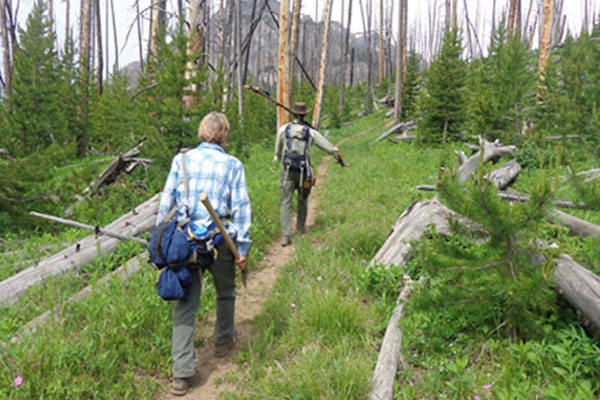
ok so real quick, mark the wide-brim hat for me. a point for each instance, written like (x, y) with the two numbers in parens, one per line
(300, 109)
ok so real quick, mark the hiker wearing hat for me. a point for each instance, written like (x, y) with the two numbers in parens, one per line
(292, 150)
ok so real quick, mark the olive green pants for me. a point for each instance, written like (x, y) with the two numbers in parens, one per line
(185, 362)
(289, 183)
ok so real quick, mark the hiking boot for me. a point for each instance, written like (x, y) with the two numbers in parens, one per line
(285, 241)
(222, 350)
(180, 386)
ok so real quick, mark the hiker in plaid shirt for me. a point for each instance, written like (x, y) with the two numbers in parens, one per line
(222, 178)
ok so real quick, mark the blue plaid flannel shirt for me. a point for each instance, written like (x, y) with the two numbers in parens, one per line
(222, 177)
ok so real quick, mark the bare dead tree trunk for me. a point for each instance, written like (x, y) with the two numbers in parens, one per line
(345, 60)
(99, 45)
(352, 68)
(399, 69)
(283, 116)
(448, 14)
(367, 28)
(6, 55)
(380, 42)
(511, 17)
(84, 44)
(322, 65)
(67, 23)
(404, 38)
(107, 40)
(238, 50)
(473, 29)
(51, 13)
(545, 44)
(493, 17)
(454, 14)
(293, 48)
(115, 36)
(194, 48)
(518, 24)
(247, 59)
(139, 31)
(526, 26)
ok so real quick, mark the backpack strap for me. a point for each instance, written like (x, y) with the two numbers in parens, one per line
(186, 185)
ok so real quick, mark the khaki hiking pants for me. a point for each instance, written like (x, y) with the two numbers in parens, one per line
(288, 183)
(185, 362)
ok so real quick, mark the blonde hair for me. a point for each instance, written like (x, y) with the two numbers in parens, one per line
(214, 128)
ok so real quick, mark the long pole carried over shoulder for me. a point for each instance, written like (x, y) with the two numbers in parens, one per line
(266, 95)
(95, 229)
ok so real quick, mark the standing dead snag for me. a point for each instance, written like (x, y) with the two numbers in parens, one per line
(283, 116)
(322, 66)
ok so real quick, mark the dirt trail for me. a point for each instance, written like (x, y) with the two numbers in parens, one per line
(248, 305)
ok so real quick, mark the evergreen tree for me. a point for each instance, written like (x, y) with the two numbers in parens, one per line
(412, 85)
(35, 104)
(484, 268)
(442, 104)
(502, 87)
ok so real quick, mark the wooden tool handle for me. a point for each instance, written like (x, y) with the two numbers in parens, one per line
(215, 217)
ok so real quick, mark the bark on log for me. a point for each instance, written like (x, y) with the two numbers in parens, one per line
(577, 226)
(492, 152)
(402, 126)
(411, 225)
(142, 219)
(580, 287)
(131, 267)
(505, 175)
(389, 354)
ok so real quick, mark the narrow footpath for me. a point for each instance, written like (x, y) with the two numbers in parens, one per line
(249, 303)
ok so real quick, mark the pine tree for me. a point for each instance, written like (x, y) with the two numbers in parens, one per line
(412, 86)
(502, 87)
(442, 104)
(35, 106)
(484, 268)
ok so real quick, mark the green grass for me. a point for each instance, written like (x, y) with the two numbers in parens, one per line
(320, 330)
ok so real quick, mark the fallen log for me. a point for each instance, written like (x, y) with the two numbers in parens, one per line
(131, 267)
(403, 138)
(95, 229)
(505, 175)
(580, 287)
(577, 226)
(402, 126)
(138, 221)
(514, 197)
(411, 225)
(549, 138)
(492, 152)
(384, 376)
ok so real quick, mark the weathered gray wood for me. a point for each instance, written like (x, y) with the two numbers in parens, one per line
(131, 267)
(514, 197)
(580, 287)
(411, 225)
(502, 177)
(402, 126)
(389, 354)
(563, 137)
(96, 229)
(492, 152)
(403, 138)
(577, 226)
(141, 219)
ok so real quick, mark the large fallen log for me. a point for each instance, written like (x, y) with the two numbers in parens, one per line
(411, 225)
(505, 175)
(581, 288)
(131, 267)
(578, 226)
(140, 220)
(514, 197)
(549, 138)
(492, 152)
(402, 126)
(389, 354)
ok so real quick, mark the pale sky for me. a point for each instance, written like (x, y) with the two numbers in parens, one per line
(480, 13)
